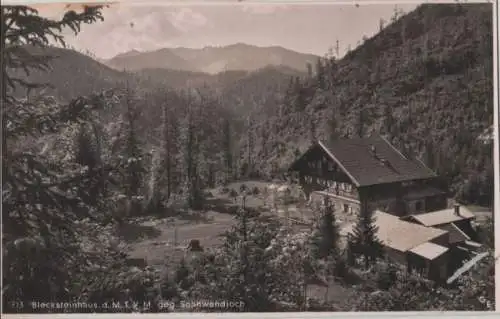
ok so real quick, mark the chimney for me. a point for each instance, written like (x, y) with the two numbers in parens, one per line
(373, 151)
(456, 208)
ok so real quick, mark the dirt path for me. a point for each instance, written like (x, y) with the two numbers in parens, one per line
(174, 235)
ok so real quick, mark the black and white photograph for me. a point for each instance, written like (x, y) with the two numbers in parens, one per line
(245, 156)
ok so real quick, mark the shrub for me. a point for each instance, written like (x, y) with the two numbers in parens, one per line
(386, 277)
(255, 191)
(182, 275)
(243, 188)
(233, 193)
(340, 269)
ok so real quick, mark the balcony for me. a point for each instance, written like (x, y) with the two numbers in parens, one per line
(352, 194)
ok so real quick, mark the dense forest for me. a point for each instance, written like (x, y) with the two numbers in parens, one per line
(81, 156)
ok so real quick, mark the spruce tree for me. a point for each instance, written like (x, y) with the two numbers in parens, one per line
(40, 200)
(360, 124)
(162, 184)
(190, 153)
(88, 154)
(364, 241)
(133, 157)
(325, 240)
(228, 153)
(388, 121)
(333, 127)
(320, 74)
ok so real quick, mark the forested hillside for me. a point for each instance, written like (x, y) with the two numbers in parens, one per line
(70, 73)
(425, 82)
(74, 74)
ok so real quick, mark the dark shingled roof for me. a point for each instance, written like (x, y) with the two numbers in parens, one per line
(373, 160)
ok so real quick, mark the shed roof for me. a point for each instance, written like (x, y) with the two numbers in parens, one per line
(444, 216)
(429, 250)
(456, 234)
(399, 234)
(466, 267)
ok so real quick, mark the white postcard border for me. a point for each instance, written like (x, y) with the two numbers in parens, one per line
(304, 315)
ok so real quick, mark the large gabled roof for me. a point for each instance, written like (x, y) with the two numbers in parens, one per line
(373, 160)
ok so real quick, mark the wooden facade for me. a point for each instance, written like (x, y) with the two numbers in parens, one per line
(320, 174)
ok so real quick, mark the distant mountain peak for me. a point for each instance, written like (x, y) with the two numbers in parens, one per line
(130, 53)
(213, 59)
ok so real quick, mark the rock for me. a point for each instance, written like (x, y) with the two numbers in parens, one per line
(194, 245)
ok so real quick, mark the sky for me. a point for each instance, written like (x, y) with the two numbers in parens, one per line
(306, 28)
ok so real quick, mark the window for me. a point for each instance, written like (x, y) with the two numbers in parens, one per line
(419, 206)
(346, 208)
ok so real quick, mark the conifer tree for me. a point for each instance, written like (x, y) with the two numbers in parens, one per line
(40, 202)
(88, 154)
(190, 140)
(388, 121)
(381, 25)
(133, 157)
(320, 74)
(162, 173)
(227, 149)
(333, 129)
(312, 131)
(250, 146)
(360, 123)
(326, 237)
(299, 97)
(364, 241)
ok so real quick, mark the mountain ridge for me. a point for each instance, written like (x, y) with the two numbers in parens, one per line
(75, 74)
(212, 59)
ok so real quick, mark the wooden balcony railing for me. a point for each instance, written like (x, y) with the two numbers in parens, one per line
(340, 192)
